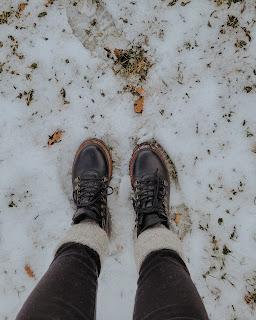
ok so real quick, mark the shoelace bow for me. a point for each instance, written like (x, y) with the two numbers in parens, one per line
(91, 191)
(149, 195)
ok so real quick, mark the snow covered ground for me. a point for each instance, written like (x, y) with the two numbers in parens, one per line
(199, 104)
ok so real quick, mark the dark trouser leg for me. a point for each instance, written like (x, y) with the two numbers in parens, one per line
(68, 289)
(166, 291)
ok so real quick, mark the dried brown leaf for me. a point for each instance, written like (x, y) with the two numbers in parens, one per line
(55, 137)
(140, 91)
(29, 271)
(49, 2)
(118, 52)
(139, 105)
(22, 6)
(177, 218)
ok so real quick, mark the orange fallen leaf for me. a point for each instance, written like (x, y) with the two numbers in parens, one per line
(49, 2)
(22, 6)
(118, 52)
(140, 91)
(139, 105)
(29, 271)
(177, 218)
(55, 137)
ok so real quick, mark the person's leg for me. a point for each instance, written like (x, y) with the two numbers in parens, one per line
(165, 289)
(68, 289)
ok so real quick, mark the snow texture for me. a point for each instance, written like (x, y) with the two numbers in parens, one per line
(199, 104)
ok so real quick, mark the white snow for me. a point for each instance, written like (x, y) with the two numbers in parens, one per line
(196, 106)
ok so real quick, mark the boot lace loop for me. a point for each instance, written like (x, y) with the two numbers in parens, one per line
(90, 191)
(150, 192)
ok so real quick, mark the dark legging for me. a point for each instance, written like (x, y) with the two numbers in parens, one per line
(68, 289)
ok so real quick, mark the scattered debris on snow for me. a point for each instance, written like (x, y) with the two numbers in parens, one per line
(178, 71)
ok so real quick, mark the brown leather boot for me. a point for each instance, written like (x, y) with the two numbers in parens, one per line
(92, 171)
(150, 179)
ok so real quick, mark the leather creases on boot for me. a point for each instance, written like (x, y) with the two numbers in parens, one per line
(92, 170)
(150, 202)
(151, 184)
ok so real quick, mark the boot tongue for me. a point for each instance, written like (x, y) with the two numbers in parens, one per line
(150, 182)
(85, 210)
(92, 182)
(151, 205)
(92, 174)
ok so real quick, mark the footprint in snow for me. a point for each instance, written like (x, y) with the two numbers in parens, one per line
(94, 26)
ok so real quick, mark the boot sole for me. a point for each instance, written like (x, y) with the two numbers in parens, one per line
(108, 156)
(161, 153)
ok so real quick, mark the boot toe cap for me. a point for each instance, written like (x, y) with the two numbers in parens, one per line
(147, 163)
(90, 159)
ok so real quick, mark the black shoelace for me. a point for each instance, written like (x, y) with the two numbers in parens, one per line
(150, 192)
(91, 192)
